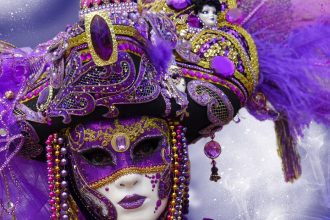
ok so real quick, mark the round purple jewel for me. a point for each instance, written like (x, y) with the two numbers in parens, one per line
(212, 149)
(223, 66)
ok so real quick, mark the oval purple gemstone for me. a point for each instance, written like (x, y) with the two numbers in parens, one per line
(101, 38)
(43, 97)
(212, 149)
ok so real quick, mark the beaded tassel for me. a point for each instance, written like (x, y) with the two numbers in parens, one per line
(212, 150)
(214, 172)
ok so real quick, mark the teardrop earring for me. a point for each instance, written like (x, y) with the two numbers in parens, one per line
(212, 150)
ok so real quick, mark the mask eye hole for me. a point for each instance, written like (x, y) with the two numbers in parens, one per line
(146, 148)
(98, 157)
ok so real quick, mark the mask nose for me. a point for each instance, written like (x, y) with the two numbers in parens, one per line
(128, 181)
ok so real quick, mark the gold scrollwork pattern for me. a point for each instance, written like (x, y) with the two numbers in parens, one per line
(133, 132)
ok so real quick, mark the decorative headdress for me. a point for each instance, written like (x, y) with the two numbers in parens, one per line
(116, 64)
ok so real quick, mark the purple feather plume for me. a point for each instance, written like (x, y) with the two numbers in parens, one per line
(295, 78)
(160, 52)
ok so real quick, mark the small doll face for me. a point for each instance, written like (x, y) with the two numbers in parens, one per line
(208, 16)
(122, 167)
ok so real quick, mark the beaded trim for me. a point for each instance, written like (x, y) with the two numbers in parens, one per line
(57, 177)
(252, 48)
(240, 92)
(179, 201)
(112, 7)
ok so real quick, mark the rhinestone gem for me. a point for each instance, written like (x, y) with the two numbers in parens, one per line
(3, 132)
(101, 38)
(212, 149)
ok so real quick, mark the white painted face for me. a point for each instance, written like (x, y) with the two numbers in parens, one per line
(135, 197)
(208, 16)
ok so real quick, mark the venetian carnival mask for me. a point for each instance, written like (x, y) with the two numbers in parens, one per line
(121, 168)
(208, 15)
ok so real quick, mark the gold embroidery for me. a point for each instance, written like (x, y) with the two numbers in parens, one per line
(129, 31)
(132, 131)
(45, 105)
(231, 4)
(127, 171)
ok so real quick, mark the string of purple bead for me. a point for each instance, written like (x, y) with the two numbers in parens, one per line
(181, 176)
(57, 173)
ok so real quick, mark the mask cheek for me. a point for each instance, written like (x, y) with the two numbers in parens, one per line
(98, 206)
(165, 184)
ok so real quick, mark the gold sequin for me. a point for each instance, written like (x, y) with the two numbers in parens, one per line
(9, 95)
(251, 77)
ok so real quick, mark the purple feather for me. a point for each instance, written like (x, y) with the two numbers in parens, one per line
(160, 54)
(295, 78)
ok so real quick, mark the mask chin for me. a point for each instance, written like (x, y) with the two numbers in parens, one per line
(139, 196)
